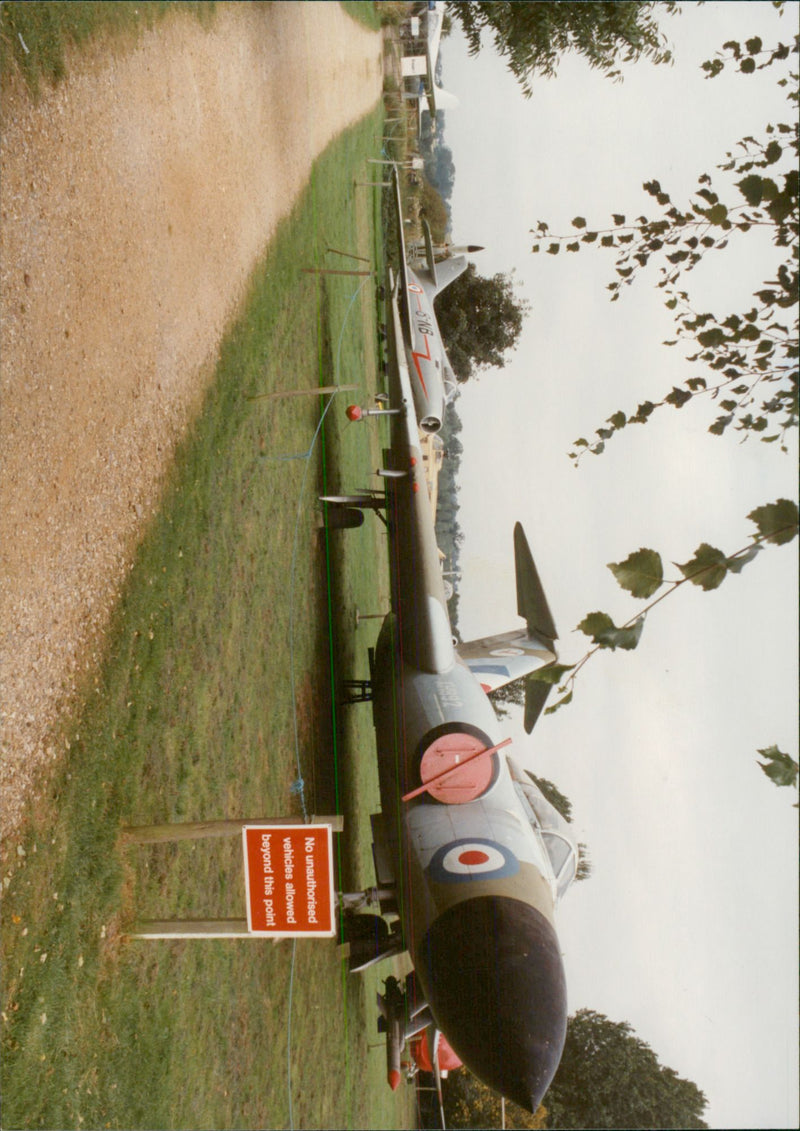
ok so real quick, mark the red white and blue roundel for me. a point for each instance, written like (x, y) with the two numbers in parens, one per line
(472, 858)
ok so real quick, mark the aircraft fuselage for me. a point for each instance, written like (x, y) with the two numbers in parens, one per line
(475, 889)
(425, 356)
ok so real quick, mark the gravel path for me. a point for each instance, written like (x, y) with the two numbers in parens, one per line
(136, 199)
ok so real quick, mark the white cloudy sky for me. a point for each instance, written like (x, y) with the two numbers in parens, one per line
(688, 927)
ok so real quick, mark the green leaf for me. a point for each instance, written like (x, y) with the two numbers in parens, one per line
(752, 189)
(772, 152)
(777, 522)
(551, 674)
(782, 206)
(779, 767)
(618, 420)
(561, 703)
(720, 424)
(678, 397)
(718, 214)
(605, 633)
(617, 218)
(737, 563)
(747, 66)
(642, 412)
(707, 568)
(553, 249)
(642, 573)
(711, 338)
(579, 222)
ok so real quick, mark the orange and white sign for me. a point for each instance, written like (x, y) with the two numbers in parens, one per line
(289, 880)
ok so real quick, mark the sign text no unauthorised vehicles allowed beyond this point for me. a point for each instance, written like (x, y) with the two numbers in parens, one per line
(289, 880)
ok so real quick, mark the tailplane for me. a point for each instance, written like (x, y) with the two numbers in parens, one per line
(509, 656)
(498, 660)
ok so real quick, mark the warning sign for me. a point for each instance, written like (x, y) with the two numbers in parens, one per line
(289, 880)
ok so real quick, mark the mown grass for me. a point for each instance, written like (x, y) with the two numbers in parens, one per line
(365, 13)
(216, 694)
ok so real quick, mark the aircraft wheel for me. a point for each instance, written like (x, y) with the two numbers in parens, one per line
(343, 518)
(368, 936)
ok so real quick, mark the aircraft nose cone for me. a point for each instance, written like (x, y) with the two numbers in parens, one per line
(495, 984)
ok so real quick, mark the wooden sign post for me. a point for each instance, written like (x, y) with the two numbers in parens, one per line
(288, 878)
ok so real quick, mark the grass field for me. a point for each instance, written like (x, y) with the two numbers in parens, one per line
(217, 694)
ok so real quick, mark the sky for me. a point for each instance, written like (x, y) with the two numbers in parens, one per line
(687, 927)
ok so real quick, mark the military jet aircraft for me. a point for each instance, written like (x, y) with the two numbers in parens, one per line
(470, 858)
(433, 381)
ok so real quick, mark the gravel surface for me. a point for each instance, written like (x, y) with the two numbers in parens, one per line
(136, 199)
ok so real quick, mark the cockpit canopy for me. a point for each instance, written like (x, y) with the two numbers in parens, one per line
(562, 851)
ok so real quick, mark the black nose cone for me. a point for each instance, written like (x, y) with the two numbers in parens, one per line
(492, 968)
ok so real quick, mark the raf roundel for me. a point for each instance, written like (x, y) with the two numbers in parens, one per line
(472, 858)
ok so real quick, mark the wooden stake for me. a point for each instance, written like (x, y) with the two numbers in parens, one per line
(201, 830)
(348, 254)
(332, 271)
(304, 392)
(191, 929)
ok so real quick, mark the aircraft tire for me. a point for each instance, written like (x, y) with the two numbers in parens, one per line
(343, 518)
(368, 936)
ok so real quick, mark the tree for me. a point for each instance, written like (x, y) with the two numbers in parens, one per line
(434, 210)
(748, 357)
(609, 1077)
(555, 797)
(584, 869)
(533, 36)
(642, 575)
(503, 697)
(480, 320)
(468, 1102)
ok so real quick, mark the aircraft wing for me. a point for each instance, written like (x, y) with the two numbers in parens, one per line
(405, 308)
(418, 597)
